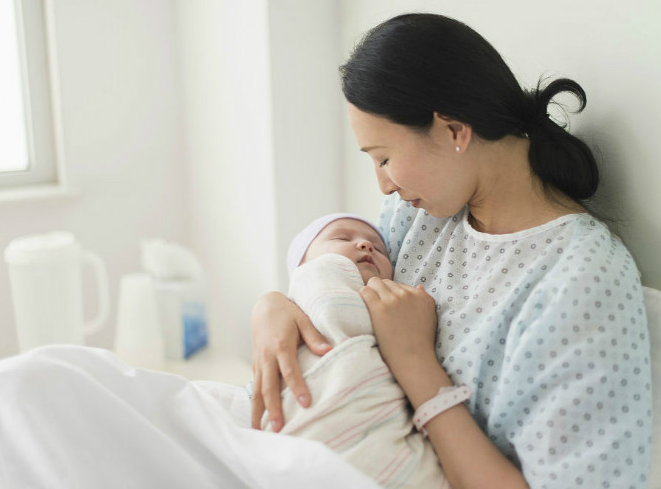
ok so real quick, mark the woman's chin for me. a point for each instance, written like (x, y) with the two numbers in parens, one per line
(438, 213)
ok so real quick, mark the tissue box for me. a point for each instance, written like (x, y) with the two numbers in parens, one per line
(182, 314)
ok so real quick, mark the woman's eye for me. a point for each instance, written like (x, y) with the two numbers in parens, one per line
(383, 163)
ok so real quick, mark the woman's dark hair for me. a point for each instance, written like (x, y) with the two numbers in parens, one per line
(413, 65)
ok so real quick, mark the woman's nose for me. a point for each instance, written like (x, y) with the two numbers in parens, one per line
(386, 185)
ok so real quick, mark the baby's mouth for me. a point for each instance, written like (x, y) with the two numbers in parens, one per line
(367, 259)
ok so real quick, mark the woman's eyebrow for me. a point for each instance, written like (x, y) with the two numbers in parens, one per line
(367, 149)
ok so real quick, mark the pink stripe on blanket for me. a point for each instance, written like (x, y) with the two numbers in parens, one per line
(393, 466)
(377, 373)
(353, 431)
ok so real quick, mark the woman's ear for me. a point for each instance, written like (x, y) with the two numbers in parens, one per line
(456, 133)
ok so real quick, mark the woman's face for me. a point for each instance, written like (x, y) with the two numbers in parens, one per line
(425, 169)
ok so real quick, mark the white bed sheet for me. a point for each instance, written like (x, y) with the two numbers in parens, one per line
(78, 417)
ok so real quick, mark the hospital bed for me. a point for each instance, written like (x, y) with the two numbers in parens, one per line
(174, 434)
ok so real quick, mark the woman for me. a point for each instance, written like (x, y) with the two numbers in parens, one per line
(536, 307)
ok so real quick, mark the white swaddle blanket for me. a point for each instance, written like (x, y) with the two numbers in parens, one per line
(358, 409)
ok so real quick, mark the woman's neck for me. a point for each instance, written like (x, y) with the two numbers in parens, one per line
(509, 197)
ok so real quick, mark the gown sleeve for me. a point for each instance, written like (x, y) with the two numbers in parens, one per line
(576, 380)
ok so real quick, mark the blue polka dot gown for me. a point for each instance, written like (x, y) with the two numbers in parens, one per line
(548, 327)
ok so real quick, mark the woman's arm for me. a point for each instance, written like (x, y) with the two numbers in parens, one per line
(405, 324)
(468, 458)
(278, 327)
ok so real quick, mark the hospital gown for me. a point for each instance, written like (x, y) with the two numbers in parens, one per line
(548, 327)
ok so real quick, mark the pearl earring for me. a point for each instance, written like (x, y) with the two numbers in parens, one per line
(458, 149)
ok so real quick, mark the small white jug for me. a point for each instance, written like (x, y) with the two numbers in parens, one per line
(45, 273)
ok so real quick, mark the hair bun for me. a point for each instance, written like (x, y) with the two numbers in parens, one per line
(559, 158)
(540, 98)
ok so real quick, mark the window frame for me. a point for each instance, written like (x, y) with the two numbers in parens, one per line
(39, 79)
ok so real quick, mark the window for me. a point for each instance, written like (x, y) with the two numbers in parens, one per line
(13, 142)
(30, 147)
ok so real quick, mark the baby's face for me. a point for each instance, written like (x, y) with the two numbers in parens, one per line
(356, 240)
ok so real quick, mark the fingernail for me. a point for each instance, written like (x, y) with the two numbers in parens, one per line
(324, 345)
(302, 400)
(275, 424)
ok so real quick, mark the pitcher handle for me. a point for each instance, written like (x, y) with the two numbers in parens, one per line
(98, 322)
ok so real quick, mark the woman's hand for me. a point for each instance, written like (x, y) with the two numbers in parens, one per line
(278, 326)
(404, 320)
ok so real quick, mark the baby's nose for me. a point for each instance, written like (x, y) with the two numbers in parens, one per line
(366, 245)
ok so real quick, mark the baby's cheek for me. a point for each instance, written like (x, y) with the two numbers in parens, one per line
(366, 275)
(387, 270)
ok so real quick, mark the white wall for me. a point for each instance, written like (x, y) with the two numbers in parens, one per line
(307, 115)
(228, 154)
(262, 120)
(611, 48)
(123, 152)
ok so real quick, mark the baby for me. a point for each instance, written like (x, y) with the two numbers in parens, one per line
(348, 235)
(358, 408)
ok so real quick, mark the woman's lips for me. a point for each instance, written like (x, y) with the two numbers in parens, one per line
(415, 203)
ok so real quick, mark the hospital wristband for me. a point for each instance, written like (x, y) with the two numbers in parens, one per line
(446, 398)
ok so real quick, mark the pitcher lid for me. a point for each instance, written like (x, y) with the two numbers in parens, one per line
(55, 245)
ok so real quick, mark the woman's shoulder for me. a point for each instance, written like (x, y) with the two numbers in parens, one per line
(594, 263)
(590, 246)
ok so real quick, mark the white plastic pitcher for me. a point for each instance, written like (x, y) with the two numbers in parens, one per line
(45, 273)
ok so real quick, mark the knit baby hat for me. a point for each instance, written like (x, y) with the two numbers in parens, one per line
(301, 242)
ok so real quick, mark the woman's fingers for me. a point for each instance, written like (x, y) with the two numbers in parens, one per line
(369, 294)
(271, 395)
(278, 326)
(288, 358)
(314, 340)
(384, 287)
(375, 287)
(286, 364)
(397, 288)
(257, 403)
(291, 374)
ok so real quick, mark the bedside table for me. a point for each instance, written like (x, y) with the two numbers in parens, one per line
(212, 363)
